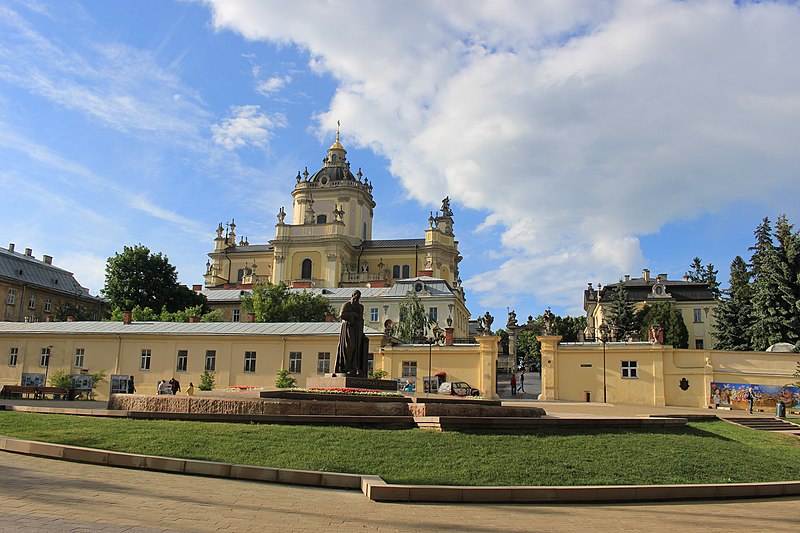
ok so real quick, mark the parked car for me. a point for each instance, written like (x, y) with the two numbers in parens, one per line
(458, 388)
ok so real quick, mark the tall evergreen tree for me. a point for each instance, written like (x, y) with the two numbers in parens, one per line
(768, 310)
(621, 315)
(788, 258)
(704, 274)
(734, 315)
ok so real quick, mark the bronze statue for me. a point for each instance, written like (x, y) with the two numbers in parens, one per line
(351, 356)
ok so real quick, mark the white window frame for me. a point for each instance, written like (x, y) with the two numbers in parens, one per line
(374, 315)
(237, 315)
(80, 354)
(11, 299)
(250, 362)
(323, 362)
(211, 361)
(144, 362)
(697, 314)
(48, 305)
(295, 362)
(32, 302)
(433, 313)
(182, 362)
(13, 355)
(44, 359)
(630, 370)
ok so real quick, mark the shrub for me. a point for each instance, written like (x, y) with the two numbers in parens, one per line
(378, 374)
(206, 381)
(285, 380)
(59, 378)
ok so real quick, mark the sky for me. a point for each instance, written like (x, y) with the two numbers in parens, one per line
(578, 141)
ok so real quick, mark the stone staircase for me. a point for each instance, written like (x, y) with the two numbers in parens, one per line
(766, 424)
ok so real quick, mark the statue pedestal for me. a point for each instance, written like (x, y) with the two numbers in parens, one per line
(350, 382)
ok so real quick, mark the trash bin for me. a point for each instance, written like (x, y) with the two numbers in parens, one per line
(780, 410)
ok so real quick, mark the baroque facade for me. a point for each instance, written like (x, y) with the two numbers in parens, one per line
(692, 299)
(326, 245)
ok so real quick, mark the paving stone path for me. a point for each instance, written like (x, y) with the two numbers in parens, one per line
(57, 496)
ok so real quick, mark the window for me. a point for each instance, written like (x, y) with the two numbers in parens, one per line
(12, 357)
(79, 352)
(630, 370)
(144, 364)
(698, 344)
(11, 299)
(239, 275)
(44, 360)
(433, 313)
(236, 314)
(396, 271)
(48, 304)
(322, 219)
(406, 270)
(32, 302)
(211, 360)
(698, 315)
(183, 359)
(295, 362)
(373, 314)
(323, 362)
(409, 369)
(249, 361)
(305, 269)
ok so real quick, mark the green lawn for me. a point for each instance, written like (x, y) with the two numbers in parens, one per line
(703, 452)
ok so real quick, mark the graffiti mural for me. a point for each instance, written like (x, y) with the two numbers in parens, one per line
(733, 395)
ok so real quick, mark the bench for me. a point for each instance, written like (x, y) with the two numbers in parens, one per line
(38, 393)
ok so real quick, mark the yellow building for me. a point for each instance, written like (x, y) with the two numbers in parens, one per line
(33, 290)
(239, 354)
(644, 373)
(326, 243)
(693, 300)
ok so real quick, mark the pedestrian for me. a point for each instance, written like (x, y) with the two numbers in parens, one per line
(190, 390)
(131, 387)
(522, 381)
(164, 387)
(176, 386)
(513, 384)
(750, 397)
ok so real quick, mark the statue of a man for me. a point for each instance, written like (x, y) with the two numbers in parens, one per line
(351, 356)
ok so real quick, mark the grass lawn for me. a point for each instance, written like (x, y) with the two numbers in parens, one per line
(703, 452)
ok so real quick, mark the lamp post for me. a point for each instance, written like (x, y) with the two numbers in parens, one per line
(604, 339)
(436, 337)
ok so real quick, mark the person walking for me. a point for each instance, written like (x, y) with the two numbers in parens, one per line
(131, 387)
(522, 381)
(176, 386)
(513, 384)
(190, 389)
(750, 397)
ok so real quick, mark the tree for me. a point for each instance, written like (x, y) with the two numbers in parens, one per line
(285, 380)
(414, 320)
(529, 349)
(621, 315)
(138, 277)
(206, 380)
(665, 315)
(146, 314)
(734, 313)
(704, 274)
(277, 303)
(503, 334)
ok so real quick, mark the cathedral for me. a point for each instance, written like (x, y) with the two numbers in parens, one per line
(325, 245)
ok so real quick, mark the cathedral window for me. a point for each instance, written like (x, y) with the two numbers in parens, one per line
(406, 271)
(305, 269)
(239, 275)
(396, 271)
(322, 219)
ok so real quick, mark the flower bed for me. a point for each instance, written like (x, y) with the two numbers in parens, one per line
(350, 390)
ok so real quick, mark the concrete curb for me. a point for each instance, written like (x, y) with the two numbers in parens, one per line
(375, 488)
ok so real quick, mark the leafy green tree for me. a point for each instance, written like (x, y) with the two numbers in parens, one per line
(665, 315)
(734, 314)
(206, 380)
(146, 314)
(378, 374)
(59, 378)
(414, 320)
(528, 347)
(97, 378)
(285, 379)
(622, 315)
(503, 334)
(569, 327)
(78, 311)
(138, 277)
(277, 303)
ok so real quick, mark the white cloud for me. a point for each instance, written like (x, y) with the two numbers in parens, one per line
(272, 85)
(597, 122)
(247, 127)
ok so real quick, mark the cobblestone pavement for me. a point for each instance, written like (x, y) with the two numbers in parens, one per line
(57, 496)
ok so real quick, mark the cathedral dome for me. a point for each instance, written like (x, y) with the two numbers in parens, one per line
(329, 174)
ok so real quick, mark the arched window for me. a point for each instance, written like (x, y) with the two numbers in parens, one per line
(240, 275)
(406, 269)
(322, 219)
(305, 269)
(396, 271)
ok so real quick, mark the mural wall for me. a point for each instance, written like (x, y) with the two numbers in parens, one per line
(734, 395)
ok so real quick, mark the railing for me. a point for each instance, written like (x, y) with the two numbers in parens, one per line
(464, 340)
(361, 277)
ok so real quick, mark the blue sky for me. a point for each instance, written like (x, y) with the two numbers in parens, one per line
(578, 141)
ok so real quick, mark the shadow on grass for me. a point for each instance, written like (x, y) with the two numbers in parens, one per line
(588, 432)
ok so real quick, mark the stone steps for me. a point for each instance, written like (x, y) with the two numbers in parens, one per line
(766, 424)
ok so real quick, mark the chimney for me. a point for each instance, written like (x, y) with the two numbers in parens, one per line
(328, 317)
(29, 252)
(126, 317)
(48, 259)
(251, 317)
(11, 247)
(70, 318)
(448, 336)
(197, 288)
(627, 277)
(663, 277)
(194, 319)
(646, 274)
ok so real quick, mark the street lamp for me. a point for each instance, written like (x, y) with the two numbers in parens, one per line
(46, 354)
(604, 339)
(437, 337)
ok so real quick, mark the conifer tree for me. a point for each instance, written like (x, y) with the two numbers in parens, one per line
(704, 274)
(788, 259)
(734, 315)
(621, 315)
